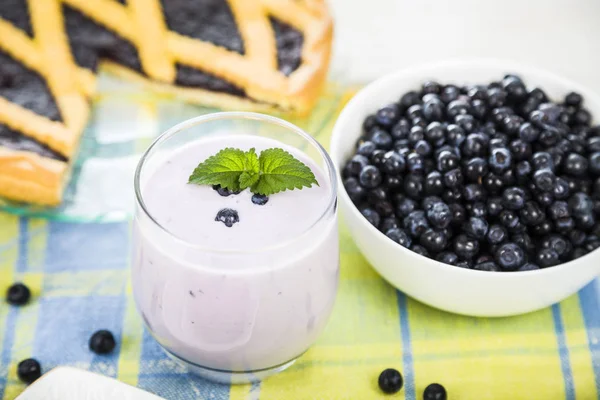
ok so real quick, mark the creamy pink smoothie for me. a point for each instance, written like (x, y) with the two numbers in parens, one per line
(242, 298)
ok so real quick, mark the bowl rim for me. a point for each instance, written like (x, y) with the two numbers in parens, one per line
(374, 87)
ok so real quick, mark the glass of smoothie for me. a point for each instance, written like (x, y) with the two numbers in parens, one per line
(233, 284)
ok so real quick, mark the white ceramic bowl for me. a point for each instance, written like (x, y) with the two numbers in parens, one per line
(450, 288)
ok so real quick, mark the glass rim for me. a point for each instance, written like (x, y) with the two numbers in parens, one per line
(239, 115)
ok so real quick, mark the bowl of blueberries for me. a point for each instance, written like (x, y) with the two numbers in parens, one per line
(474, 185)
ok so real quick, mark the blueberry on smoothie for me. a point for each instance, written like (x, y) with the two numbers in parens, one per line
(227, 216)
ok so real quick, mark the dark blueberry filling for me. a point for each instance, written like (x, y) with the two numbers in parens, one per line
(17, 141)
(289, 43)
(26, 88)
(17, 12)
(489, 177)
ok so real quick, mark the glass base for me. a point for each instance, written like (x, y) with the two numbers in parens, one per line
(230, 377)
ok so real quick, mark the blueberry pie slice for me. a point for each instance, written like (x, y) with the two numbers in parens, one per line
(242, 54)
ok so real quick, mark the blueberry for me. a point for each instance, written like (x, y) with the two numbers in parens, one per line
(544, 179)
(381, 139)
(447, 161)
(538, 94)
(489, 266)
(434, 184)
(593, 144)
(476, 92)
(466, 247)
(388, 116)
(457, 107)
(393, 182)
(366, 148)
(523, 171)
(496, 97)
(509, 219)
(429, 201)
(261, 199)
(449, 93)
(433, 109)
(414, 111)
(594, 163)
(439, 215)
(452, 195)
(475, 169)
(514, 88)
(511, 124)
(559, 209)
(455, 136)
(500, 160)
(532, 214)
(102, 342)
(575, 165)
(413, 186)
(453, 178)
(466, 122)
(582, 117)
(580, 204)
(564, 225)
(513, 198)
(494, 206)
(579, 252)
(409, 99)
(401, 129)
(464, 264)
(474, 146)
(558, 243)
(447, 257)
(477, 209)
(417, 248)
(422, 148)
(435, 133)
(479, 108)
(393, 163)
(377, 157)
(496, 234)
(561, 189)
(18, 294)
(376, 195)
(416, 223)
(459, 214)
(399, 236)
(434, 391)
(388, 223)
(542, 228)
(547, 258)
(509, 256)
(524, 241)
(29, 370)
(404, 207)
(544, 198)
(529, 267)
(369, 124)
(371, 215)
(528, 133)
(434, 241)
(573, 99)
(390, 381)
(585, 222)
(576, 237)
(370, 177)
(415, 163)
(543, 160)
(226, 192)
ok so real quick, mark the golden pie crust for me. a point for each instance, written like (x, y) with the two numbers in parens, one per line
(29, 177)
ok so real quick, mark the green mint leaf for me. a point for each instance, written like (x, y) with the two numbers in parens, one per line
(224, 168)
(280, 171)
(251, 172)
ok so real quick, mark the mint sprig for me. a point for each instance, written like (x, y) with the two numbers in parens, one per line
(274, 171)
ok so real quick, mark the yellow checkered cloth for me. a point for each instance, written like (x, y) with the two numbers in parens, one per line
(79, 277)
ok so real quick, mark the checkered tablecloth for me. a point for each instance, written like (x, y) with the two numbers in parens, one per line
(78, 273)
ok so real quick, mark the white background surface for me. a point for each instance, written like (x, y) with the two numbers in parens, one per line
(374, 37)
